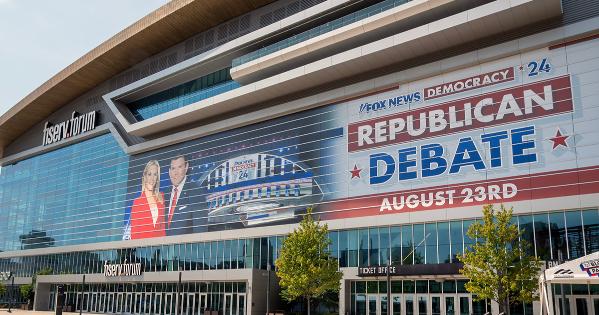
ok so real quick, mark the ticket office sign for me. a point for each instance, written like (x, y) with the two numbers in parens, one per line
(500, 136)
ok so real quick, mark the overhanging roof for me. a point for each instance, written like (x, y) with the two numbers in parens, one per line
(159, 30)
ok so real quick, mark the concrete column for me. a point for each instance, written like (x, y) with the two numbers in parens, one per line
(42, 297)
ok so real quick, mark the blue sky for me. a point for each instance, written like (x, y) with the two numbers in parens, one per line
(38, 38)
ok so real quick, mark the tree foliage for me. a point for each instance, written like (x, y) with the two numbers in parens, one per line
(305, 267)
(499, 265)
(2, 289)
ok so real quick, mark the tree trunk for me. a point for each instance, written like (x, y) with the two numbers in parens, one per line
(309, 308)
(504, 307)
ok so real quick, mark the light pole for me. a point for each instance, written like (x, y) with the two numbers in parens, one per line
(268, 289)
(12, 289)
(81, 296)
(388, 289)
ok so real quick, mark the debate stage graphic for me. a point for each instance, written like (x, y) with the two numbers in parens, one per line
(263, 174)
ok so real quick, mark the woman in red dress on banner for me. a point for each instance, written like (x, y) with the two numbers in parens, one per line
(147, 212)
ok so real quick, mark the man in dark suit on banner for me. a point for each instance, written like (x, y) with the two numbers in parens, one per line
(181, 198)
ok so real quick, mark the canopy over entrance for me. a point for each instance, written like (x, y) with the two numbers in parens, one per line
(584, 270)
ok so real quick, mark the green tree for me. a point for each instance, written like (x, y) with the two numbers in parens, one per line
(2, 289)
(305, 267)
(499, 265)
(28, 290)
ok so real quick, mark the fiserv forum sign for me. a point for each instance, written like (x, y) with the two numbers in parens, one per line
(78, 124)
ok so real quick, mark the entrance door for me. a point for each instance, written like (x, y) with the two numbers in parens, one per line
(372, 305)
(422, 304)
(203, 304)
(119, 302)
(129, 303)
(409, 302)
(86, 302)
(436, 304)
(383, 304)
(241, 304)
(228, 304)
(138, 304)
(582, 306)
(102, 303)
(465, 304)
(450, 305)
(168, 304)
(147, 303)
(182, 304)
(192, 304)
(158, 303)
(396, 304)
(94, 302)
(110, 303)
(596, 306)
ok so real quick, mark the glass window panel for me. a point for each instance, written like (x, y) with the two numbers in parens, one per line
(461, 286)
(248, 253)
(343, 249)
(227, 255)
(334, 246)
(363, 253)
(419, 243)
(407, 245)
(372, 287)
(435, 286)
(360, 286)
(409, 286)
(431, 243)
(444, 242)
(526, 225)
(382, 287)
(264, 252)
(396, 286)
(449, 286)
(542, 237)
(575, 234)
(558, 236)
(257, 246)
(373, 239)
(468, 242)
(272, 247)
(395, 237)
(421, 286)
(591, 230)
(455, 228)
(384, 245)
(233, 250)
(353, 248)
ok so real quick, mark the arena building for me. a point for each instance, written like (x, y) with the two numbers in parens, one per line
(160, 172)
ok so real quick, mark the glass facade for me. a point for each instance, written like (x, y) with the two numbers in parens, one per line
(155, 298)
(68, 196)
(210, 85)
(443, 241)
(319, 30)
(255, 253)
(429, 243)
(422, 296)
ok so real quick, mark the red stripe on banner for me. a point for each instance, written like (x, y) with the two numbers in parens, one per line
(561, 183)
(574, 41)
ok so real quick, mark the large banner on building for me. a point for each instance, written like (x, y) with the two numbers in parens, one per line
(518, 129)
